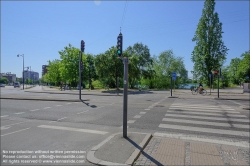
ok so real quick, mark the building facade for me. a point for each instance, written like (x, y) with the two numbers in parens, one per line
(31, 75)
(44, 69)
(9, 76)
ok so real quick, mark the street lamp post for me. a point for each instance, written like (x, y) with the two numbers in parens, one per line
(22, 55)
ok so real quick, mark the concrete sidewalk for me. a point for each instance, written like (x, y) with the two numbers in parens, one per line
(145, 149)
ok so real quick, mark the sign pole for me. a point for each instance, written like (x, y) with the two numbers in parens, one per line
(125, 97)
(210, 84)
(80, 75)
(171, 85)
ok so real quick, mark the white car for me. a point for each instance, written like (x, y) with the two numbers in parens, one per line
(2, 85)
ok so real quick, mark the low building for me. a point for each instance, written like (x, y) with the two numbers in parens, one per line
(9, 76)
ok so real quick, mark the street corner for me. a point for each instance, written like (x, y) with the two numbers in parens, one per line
(117, 150)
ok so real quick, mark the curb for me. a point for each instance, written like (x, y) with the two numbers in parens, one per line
(245, 107)
(39, 99)
(91, 154)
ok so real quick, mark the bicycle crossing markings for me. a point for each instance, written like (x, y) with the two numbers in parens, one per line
(204, 110)
(207, 113)
(206, 123)
(208, 118)
(206, 130)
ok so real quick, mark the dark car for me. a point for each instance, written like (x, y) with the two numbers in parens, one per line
(16, 85)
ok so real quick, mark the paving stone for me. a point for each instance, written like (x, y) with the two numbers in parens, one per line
(205, 159)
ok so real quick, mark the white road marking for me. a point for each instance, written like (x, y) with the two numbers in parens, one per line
(131, 121)
(205, 123)
(122, 126)
(194, 105)
(206, 130)
(150, 107)
(4, 127)
(61, 118)
(209, 118)
(34, 110)
(207, 113)
(4, 116)
(46, 108)
(236, 102)
(100, 106)
(147, 109)
(203, 110)
(58, 105)
(16, 123)
(68, 103)
(73, 129)
(82, 112)
(142, 112)
(137, 116)
(244, 144)
(19, 113)
(14, 132)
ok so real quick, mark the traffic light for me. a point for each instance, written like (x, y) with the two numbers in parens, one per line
(82, 46)
(119, 44)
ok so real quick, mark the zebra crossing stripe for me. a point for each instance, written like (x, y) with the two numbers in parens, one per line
(194, 105)
(204, 110)
(206, 123)
(207, 113)
(208, 118)
(206, 130)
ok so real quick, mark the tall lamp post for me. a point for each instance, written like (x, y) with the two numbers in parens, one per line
(22, 55)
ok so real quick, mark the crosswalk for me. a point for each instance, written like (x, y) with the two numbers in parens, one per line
(203, 119)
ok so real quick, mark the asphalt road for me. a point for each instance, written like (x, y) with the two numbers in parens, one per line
(59, 127)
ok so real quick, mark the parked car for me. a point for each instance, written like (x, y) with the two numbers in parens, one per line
(2, 85)
(16, 85)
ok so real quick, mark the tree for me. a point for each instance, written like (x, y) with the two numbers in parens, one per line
(91, 69)
(4, 80)
(140, 61)
(210, 52)
(69, 68)
(53, 74)
(165, 65)
(244, 68)
(232, 70)
(109, 67)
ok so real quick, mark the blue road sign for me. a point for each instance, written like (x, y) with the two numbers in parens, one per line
(247, 77)
(174, 75)
(210, 75)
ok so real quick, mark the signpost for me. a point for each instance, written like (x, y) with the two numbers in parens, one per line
(210, 75)
(174, 78)
(81, 68)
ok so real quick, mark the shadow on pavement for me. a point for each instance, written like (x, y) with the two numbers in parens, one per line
(144, 153)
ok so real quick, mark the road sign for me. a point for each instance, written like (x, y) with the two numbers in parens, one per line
(174, 75)
(210, 75)
(216, 72)
(247, 77)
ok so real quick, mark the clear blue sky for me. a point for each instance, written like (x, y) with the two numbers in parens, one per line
(40, 29)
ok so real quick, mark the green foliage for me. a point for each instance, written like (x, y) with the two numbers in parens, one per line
(164, 66)
(244, 67)
(4, 80)
(54, 75)
(109, 67)
(210, 52)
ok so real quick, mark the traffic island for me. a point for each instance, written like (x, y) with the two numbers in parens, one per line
(116, 150)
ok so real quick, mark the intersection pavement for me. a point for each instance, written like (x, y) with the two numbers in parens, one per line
(187, 130)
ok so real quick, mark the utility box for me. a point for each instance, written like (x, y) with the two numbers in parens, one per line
(246, 87)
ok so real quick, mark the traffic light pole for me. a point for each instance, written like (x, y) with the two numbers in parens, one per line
(125, 96)
(171, 85)
(80, 75)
